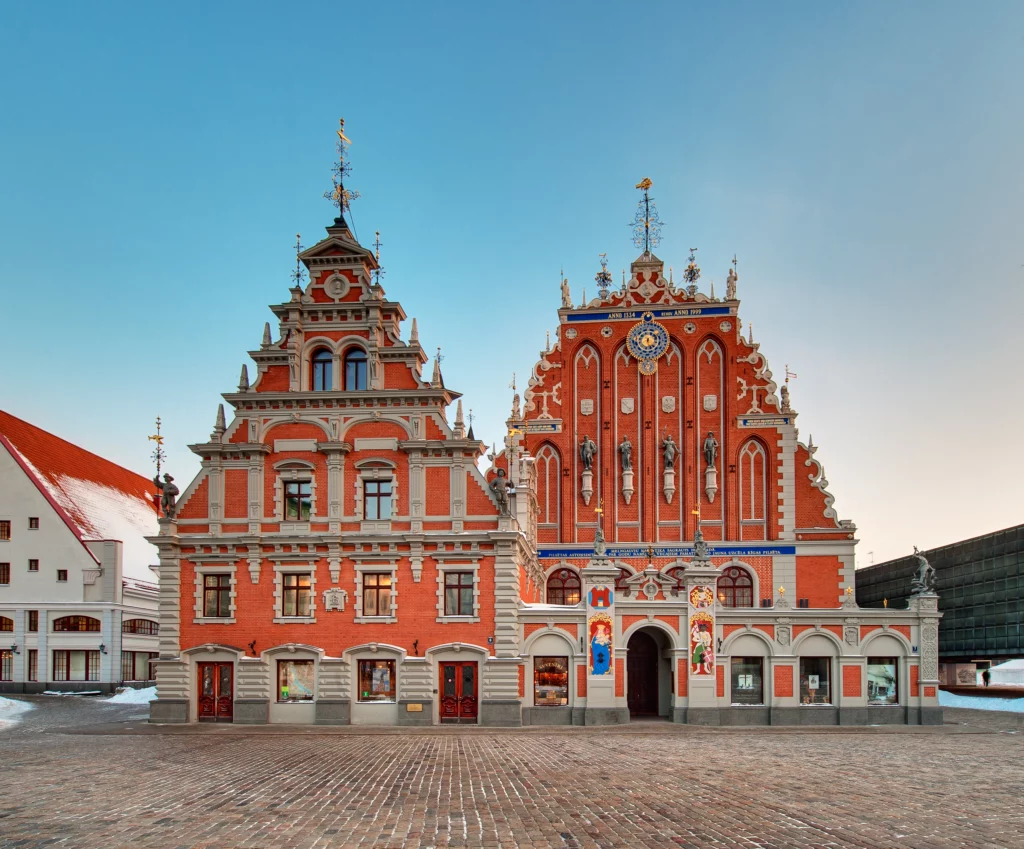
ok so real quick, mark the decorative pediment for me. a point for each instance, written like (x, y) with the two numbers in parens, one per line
(662, 582)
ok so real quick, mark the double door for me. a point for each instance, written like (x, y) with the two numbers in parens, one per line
(459, 692)
(216, 692)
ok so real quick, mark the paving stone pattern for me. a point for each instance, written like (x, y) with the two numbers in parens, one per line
(109, 781)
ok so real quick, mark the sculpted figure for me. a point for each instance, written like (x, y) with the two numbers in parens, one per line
(626, 450)
(588, 448)
(500, 486)
(168, 495)
(710, 449)
(730, 285)
(566, 295)
(924, 580)
(668, 445)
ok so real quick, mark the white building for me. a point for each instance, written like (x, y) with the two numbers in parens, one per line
(78, 600)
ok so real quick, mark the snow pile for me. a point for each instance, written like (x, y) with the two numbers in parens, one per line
(1010, 673)
(133, 697)
(956, 700)
(11, 709)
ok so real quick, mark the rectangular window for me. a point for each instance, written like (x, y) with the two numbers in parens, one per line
(298, 501)
(76, 665)
(377, 594)
(747, 681)
(33, 620)
(33, 523)
(296, 595)
(458, 593)
(33, 665)
(551, 681)
(376, 680)
(377, 500)
(814, 681)
(882, 681)
(5, 573)
(295, 680)
(137, 665)
(217, 596)
(33, 565)
(5, 529)
(62, 575)
(6, 665)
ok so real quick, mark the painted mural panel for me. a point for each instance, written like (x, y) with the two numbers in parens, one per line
(600, 629)
(702, 633)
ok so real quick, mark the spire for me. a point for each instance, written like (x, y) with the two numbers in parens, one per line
(712, 290)
(469, 435)
(243, 380)
(547, 341)
(340, 197)
(646, 224)
(414, 335)
(750, 334)
(460, 426)
(218, 426)
(266, 336)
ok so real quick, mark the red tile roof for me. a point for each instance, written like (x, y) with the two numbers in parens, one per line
(96, 498)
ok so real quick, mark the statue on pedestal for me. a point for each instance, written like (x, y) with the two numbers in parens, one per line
(924, 580)
(588, 449)
(169, 494)
(710, 449)
(668, 445)
(626, 450)
(501, 487)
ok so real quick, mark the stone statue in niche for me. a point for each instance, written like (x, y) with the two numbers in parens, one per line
(566, 295)
(169, 494)
(924, 580)
(710, 449)
(626, 450)
(668, 445)
(502, 487)
(588, 450)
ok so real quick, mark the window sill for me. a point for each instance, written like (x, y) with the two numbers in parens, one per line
(445, 620)
(294, 620)
(369, 620)
(294, 527)
(214, 620)
(377, 702)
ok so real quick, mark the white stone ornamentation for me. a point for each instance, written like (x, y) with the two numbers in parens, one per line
(627, 485)
(627, 405)
(586, 406)
(710, 403)
(335, 598)
(587, 487)
(669, 484)
(710, 483)
(668, 404)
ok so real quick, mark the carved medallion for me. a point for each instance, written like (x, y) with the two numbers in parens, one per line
(570, 333)
(607, 332)
(586, 406)
(725, 326)
(627, 405)
(710, 403)
(690, 327)
(668, 404)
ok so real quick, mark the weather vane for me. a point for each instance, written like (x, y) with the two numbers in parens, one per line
(646, 224)
(692, 273)
(789, 373)
(604, 277)
(158, 454)
(299, 274)
(338, 194)
(378, 271)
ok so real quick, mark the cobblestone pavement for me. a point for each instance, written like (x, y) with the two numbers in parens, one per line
(77, 772)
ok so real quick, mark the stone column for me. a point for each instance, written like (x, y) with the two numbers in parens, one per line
(500, 704)
(927, 606)
(172, 681)
(701, 578)
(599, 593)
(43, 657)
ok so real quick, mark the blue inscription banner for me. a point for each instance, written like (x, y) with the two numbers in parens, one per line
(637, 314)
(684, 551)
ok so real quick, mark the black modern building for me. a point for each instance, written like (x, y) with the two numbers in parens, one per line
(980, 583)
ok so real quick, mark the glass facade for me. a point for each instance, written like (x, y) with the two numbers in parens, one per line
(981, 594)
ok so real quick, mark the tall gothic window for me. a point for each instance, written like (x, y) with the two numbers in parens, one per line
(355, 369)
(753, 491)
(323, 361)
(736, 588)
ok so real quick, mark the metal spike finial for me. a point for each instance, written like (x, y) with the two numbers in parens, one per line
(340, 197)
(378, 271)
(299, 274)
(603, 278)
(158, 454)
(469, 418)
(646, 224)
(692, 273)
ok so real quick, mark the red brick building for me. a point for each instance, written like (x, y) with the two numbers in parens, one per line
(652, 540)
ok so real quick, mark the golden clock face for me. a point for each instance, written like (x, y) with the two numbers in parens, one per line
(648, 340)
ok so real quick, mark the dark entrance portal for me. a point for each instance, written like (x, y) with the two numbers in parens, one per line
(642, 675)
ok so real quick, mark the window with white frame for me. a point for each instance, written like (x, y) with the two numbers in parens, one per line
(458, 592)
(215, 594)
(295, 594)
(375, 592)
(295, 491)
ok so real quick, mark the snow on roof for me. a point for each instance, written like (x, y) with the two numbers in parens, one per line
(99, 500)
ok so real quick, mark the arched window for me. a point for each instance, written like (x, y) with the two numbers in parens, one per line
(736, 588)
(6, 624)
(549, 482)
(564, 587)
(76, 623)
(140, 626)
(355, 369)
(322, 362)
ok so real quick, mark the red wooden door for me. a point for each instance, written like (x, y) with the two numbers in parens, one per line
(459, 692)
(642, 675)
(216, 692)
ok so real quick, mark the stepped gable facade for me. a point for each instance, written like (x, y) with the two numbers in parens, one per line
(340, 557)
(653, 539)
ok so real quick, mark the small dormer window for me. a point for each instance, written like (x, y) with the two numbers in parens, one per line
(322, 362)
(298, 501)
(355, 369)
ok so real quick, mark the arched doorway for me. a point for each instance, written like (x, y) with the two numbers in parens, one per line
(642, 675)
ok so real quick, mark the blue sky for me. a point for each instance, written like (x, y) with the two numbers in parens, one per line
(864, 161)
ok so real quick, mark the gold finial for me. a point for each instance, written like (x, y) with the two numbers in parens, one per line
(782, 591)
(338, 194)
(696, 511)
(885, 602)
(600, 506)
(645, 184)
(849, 590)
